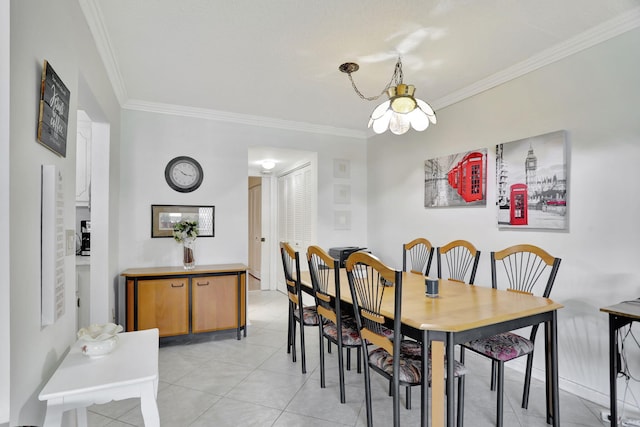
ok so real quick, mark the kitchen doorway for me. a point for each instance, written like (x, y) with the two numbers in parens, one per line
(101, 288)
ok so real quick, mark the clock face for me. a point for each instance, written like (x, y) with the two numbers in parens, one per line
(183, 174)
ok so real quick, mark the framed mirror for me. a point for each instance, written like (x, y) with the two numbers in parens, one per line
(164, 217)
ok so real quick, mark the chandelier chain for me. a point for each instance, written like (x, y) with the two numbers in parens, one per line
(396, 79)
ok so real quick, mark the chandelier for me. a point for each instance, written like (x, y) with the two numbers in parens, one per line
(401, 111)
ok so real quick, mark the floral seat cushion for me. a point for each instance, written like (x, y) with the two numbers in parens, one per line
(504, 347)
(350, 335)
(410, 366)
(458, 369)
(310, 315)
(410, 363)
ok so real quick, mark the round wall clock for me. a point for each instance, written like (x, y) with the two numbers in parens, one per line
(183, 174)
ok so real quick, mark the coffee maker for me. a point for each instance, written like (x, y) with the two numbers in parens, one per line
(85, 243)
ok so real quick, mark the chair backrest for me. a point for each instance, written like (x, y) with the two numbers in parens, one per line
(523, 266)
(291, 267)
(462, 261)
(325, 277)
(419, 253)
(369, 278)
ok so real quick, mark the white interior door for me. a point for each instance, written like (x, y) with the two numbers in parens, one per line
(296, 213)
(255, 230)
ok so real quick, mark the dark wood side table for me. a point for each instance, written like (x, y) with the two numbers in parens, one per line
(619, 315)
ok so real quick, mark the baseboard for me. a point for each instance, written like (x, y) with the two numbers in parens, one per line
(595, 396)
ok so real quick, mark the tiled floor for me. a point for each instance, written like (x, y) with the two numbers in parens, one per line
(224, 382)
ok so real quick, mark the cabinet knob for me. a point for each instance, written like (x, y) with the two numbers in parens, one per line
(173, 285)
(202, 284)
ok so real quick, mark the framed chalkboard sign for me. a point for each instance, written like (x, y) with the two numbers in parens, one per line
(54, 111)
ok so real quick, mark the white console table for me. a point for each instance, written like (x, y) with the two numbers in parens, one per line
(130, 370)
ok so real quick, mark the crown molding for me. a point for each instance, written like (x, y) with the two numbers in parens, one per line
(93, 15)
(243, 119)
(598, 34)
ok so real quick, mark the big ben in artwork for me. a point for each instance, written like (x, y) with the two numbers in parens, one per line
(530, 166)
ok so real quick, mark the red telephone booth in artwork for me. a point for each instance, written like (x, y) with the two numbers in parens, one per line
(519, 205)
(470, 186)
(453, 177)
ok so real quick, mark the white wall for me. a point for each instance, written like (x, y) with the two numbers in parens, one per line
(4, 213)
(54, 31)
(594, 95)
(150, 140)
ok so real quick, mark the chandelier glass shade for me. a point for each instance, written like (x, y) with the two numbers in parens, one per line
(401, 111)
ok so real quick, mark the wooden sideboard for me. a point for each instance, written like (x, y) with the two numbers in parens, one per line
(180, 302)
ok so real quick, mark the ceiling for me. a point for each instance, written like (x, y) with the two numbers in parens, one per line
(275, 63)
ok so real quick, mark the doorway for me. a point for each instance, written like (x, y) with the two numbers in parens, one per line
(83, 217)
(255, 233)
(101, 297)
(284, 161)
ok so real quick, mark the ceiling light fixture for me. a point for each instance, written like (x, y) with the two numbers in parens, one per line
(402, 110)
(268, 164)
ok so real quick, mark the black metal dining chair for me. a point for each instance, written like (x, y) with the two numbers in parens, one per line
(527, 269)
(461, 259)
(398, 360)
(417, 256)
(298, 313)
(336, 325)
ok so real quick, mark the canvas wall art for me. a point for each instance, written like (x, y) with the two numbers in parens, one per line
(531, 182)
(53, 117)
(456, 180)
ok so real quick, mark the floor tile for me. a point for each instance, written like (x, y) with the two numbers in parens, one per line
(217, 380)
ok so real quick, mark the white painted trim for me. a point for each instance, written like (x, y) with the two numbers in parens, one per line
(598, 34)
(99, 301)
(243, 119)
(600, 397)
(95, 21)
(5, 211)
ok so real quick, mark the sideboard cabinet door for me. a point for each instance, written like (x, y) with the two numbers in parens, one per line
(164, 304)
(215, 303)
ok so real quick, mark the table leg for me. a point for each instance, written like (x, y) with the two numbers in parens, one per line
(450, 353)
(437, 383)
(551, 330)
(81, 416)
(239, 306)
(547, 374)
(53, 417)
(424, 386)
(148, 405)
(613, 370)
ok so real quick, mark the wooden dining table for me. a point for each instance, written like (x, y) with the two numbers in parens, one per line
(459, 314)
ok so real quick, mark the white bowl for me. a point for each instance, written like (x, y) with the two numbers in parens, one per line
(97, 332)
(99, 348)
(99, 340)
